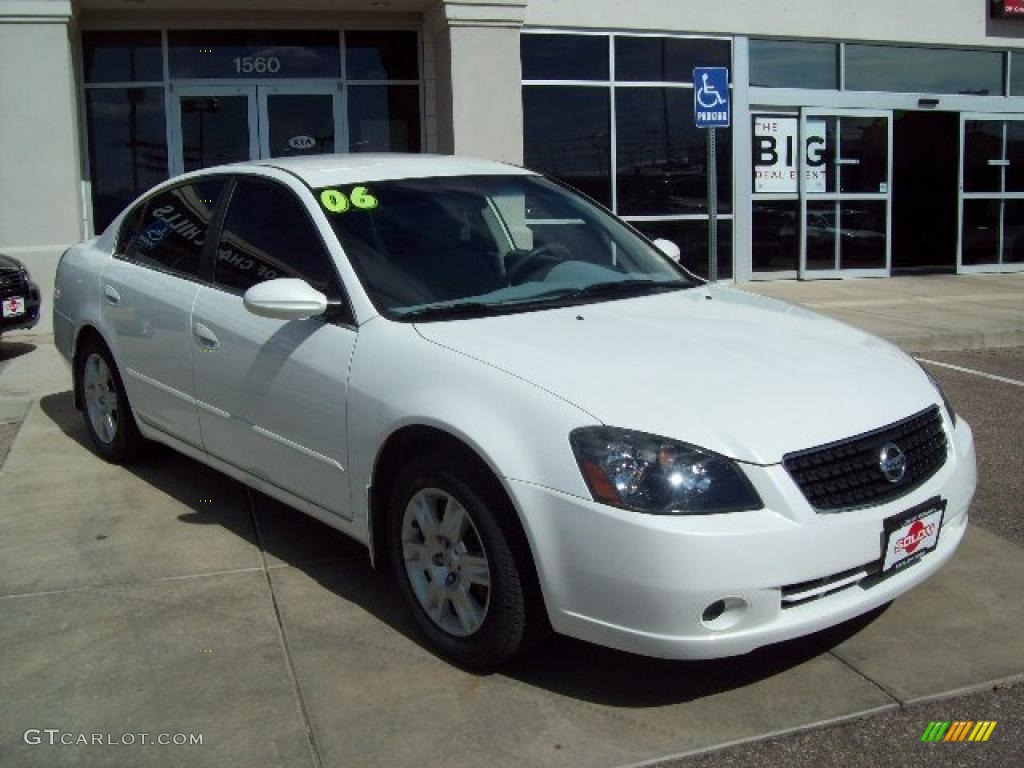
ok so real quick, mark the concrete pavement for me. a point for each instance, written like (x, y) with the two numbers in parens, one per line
(918, 313)
(168, 598)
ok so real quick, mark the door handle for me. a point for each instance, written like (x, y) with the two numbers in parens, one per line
(207, 337)
(111, 295)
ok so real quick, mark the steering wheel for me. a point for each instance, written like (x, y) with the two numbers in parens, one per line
(540, 260)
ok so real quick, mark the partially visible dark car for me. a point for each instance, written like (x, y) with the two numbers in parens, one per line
(19, 296)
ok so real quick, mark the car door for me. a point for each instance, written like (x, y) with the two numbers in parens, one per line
(147, 291)
(271, 393)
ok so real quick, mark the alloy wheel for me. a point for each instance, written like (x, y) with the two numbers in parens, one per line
(445, 562)
(101, 402)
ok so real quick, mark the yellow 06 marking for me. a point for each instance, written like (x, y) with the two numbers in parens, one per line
(334, 201)
(361, 198)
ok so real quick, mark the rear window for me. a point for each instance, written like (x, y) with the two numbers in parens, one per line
(173, 228)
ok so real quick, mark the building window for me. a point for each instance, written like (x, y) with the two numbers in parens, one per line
(127, 146)
(253, 54)
(567, 133)
(382, 72)
(924, 70)
(612, 115)
(215, 96)
(667, 59)
(792, 64)
(565, 57)
(122, 57)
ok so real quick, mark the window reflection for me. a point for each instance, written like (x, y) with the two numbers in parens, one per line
(567, 135)
(790, 64)
(253, 54)
(776, 244)
(983, 144)
(662, 155)
(692, 239)
(564, 57)
(924, 70)
(981, 231)
(1013, 235)
(667, 59)
(214, 130)
(384, 118)
(381, 56)
(127, 147)
(300, 124)
(864, 149)
(122, 56)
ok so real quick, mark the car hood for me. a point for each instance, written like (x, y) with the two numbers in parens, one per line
(8, 263)
(749, 377)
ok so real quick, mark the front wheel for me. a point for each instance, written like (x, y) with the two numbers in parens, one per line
(108, 416)
(458, 571)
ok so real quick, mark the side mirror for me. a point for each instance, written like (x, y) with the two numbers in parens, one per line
(669, 248)
(286, 298)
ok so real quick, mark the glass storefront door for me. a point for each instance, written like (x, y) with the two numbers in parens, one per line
(299, 120)
(215, 125)
(227, 124)
(821, 193)
(845, 200)
(992, 194)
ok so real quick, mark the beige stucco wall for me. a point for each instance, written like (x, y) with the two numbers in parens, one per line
(951, 22)
(40, 187)
(478, 94)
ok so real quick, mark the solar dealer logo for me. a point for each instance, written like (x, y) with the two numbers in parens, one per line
(959, 730)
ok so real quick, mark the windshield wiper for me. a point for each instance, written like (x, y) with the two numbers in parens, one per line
(449, 311)
(613, 288)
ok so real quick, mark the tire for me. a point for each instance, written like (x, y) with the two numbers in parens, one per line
(477, 628)
(105, 408)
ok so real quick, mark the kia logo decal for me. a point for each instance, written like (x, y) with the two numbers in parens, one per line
(301, 142)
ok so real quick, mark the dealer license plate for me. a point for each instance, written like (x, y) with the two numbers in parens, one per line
(912, 534)
(14, 306)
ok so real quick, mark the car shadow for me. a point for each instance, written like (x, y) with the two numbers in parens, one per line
(9, 350)
(563, 665)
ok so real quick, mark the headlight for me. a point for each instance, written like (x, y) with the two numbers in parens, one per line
(646, 473)
(942, 394)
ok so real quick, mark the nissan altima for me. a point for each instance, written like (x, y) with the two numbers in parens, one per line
(534, 417)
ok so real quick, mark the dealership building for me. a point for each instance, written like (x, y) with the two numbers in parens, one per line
(866, 138)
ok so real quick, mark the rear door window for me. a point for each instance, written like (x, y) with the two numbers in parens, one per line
(173, 228)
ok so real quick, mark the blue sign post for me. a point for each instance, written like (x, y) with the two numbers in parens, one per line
(711, 110)
(711, 106)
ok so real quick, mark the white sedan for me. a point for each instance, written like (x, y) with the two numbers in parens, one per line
(530, 413)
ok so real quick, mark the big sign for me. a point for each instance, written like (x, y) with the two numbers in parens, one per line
(776, 163)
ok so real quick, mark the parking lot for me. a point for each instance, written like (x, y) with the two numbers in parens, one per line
(168, 599)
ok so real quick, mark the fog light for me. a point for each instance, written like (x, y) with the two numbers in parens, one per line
(725, 613)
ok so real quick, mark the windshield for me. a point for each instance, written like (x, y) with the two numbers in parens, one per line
(438, 248)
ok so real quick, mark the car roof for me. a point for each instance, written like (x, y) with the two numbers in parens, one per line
(330, 170)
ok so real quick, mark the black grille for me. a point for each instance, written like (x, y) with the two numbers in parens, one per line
(11, 281)
(847, 474)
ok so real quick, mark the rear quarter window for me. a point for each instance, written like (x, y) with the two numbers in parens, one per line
(171, 232)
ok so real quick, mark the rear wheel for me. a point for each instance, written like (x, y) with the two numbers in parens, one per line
(457, 568)
(108, 416)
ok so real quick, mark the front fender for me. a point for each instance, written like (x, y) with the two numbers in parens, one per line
(400, 379)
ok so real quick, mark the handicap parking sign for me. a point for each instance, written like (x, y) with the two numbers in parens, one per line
(711, 107)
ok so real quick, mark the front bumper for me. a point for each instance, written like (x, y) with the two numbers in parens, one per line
(641, 583)
(32, 304)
